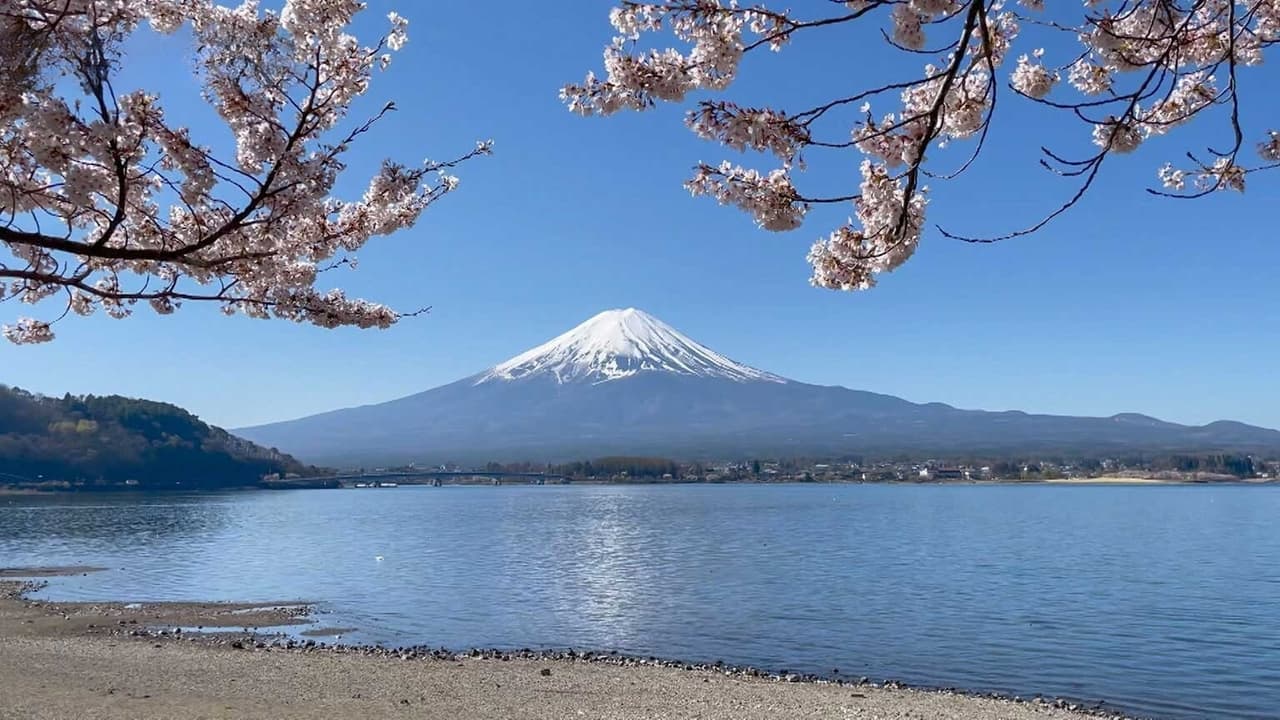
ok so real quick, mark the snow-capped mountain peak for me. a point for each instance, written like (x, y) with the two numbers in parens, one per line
(617, 344)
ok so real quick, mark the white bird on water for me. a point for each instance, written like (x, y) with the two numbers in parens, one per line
(378, 558)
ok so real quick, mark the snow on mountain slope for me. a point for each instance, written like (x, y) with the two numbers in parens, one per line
(621, 343)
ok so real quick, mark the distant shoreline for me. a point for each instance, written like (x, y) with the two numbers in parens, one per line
(1114, 480)
(12, 491)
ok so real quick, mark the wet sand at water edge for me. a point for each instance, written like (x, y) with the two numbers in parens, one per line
(110, 661)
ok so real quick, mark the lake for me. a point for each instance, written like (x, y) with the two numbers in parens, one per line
(1162, 601)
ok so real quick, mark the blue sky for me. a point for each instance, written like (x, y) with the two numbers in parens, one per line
(1132, 303)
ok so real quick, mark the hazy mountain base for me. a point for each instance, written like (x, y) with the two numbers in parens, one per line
(539, 419)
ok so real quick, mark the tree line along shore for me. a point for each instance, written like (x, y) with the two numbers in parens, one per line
(104, 443)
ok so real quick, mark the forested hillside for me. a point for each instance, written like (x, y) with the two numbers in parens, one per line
(100, 442)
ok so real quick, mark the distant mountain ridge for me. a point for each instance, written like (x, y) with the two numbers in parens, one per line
(109, 441)
(625, 382)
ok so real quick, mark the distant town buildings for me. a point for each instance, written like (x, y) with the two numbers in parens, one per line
(1211, 468)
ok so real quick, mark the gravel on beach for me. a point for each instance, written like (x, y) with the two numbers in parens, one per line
(99, 661)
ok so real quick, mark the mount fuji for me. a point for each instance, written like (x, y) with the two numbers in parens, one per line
(624, 382)
(618, 344)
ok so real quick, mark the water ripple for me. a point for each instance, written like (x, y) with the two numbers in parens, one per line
(1159, 600)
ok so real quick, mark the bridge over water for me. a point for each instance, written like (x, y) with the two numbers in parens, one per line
(420, 477)
(407, 477)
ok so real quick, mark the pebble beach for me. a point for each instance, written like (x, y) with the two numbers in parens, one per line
(133, 660)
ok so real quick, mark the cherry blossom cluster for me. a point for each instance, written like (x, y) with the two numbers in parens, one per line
(770, 198)
(1133, 69)
(759, 129)
(885, 237)
(1170, 54)
(1032, 78)
(105, 202)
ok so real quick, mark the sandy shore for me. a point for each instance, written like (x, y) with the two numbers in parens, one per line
(96, 660)
(1111, 480)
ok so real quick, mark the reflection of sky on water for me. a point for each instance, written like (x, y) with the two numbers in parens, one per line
(1056, 590)
(107, 520)
(605, 591)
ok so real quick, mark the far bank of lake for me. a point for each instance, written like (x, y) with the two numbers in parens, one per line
(480, 479)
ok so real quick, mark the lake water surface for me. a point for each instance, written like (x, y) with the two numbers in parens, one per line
(1164, 601)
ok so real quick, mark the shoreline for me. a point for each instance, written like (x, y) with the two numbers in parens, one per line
(142, 646)
(11, 491)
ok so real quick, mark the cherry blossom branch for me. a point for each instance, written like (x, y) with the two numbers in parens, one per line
(94, 204)
(1142, 68)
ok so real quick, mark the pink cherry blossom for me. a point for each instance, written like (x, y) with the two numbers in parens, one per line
(1031, 78)
(107, 204)
(1134, 69)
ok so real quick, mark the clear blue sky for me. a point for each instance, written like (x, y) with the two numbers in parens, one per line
(1132, 303)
